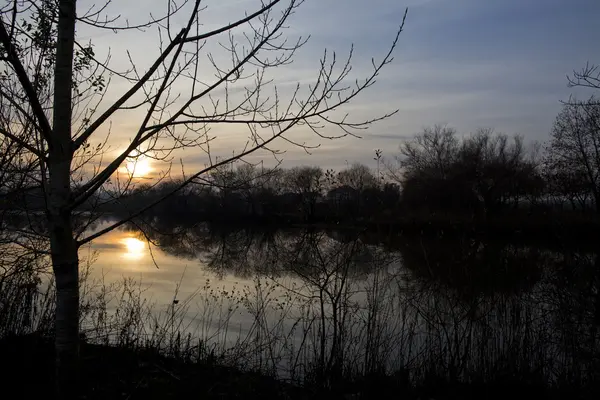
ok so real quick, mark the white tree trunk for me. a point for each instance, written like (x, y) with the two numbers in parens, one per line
(63, 245)
(66, 271)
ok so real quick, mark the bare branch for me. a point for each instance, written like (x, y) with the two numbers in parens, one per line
(181, 38)
(15, 62)
(22, 143)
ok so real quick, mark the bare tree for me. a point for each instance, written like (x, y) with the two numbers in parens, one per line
(357, 176)
(21, 254)
(247, 181)
(564, 185)
(588, 76)
(303, 180)
(53, 91)
(307, 184)
(485, 167)
(574, 148)
(500, 169)
(432, 152)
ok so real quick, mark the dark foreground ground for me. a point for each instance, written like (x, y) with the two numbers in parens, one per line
(117, 373)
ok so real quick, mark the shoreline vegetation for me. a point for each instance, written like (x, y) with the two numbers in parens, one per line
(435, 340)
(466, 265)
(120, 372)
(497, 293)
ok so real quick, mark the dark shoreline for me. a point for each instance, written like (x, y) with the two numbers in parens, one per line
(109, 372)
(544, 232)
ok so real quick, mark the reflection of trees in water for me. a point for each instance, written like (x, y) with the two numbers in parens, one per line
(457, 309)
(473, 266)
(276, 252)
(242, 253)
(547, 330)
(573, 291)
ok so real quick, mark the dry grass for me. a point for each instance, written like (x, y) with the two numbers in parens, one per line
(341, 333)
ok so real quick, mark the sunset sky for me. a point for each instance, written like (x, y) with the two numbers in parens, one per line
(466, 63)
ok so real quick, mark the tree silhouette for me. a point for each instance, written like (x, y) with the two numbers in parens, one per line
(57, 106)
(574, 150)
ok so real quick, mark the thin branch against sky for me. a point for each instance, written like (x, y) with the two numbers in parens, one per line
(460, 64)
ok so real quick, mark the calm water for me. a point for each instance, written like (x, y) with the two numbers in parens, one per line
(292, 299)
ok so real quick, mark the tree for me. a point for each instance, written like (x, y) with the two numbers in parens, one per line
(586, 77)
(441, 172)
(358, 177)
(21, 256)
(430, 153)
(55, 106)
(574, 148)
(247, 182)
(307, 184)
(357, 193)
(565, 185)
(498, 168)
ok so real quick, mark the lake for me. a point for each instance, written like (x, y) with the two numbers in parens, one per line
(293, 301)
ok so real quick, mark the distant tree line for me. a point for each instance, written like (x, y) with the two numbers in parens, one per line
(483, 174)
(439, 172)
(299, 194)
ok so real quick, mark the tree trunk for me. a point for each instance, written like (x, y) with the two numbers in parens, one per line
(66, 271)
(62, 242)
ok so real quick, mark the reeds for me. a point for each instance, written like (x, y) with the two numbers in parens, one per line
(333, 328)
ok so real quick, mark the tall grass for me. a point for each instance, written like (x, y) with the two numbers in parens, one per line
(340, 327)
(24, 309)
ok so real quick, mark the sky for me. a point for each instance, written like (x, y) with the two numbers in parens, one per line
(466, 63)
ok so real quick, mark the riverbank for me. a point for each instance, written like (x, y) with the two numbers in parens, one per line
(109, 372)
(456, 319)
(557, 232)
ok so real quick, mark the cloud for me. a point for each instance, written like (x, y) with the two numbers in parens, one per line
(468, 63)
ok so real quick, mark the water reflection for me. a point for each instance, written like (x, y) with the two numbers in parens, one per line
(464, 308)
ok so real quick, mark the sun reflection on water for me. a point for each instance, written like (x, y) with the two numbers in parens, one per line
(134, 248)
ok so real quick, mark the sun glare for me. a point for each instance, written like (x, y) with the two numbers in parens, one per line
(134, 248)
(138, 168)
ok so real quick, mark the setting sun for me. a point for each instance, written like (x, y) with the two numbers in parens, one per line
(138, 168)
(134, 248)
